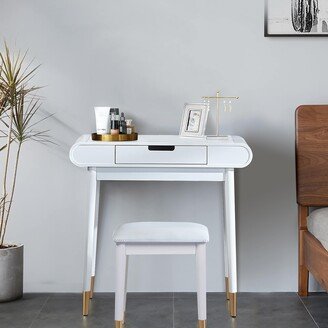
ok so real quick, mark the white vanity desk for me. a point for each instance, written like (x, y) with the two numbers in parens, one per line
(163, 158)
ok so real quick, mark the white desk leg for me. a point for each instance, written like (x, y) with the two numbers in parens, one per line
(95, 238)
(225, 253)
(230, 227)
(91, 241)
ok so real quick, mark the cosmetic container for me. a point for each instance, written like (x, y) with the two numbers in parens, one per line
(122, 124)
(102, 119)
(114, 123)
(129, 126)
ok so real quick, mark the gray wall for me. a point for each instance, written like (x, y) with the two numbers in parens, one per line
(149, 57)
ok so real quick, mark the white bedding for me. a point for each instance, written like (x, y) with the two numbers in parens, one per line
(317, 224)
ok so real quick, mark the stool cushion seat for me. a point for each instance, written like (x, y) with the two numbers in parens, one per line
(161, 232)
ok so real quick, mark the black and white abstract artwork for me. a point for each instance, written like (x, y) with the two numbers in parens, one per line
(296, 18)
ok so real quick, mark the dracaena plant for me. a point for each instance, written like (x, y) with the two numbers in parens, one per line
(19, 105)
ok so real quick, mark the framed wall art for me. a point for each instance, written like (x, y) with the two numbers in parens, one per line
(296, 18)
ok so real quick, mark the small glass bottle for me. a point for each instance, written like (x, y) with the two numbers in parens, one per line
(114, 121)
(122, 124)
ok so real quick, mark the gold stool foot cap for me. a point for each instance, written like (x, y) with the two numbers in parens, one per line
(119, 324)
(201, 323)
(233, 304)
(85, 302)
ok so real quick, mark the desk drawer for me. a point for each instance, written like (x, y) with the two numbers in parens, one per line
(161, 155)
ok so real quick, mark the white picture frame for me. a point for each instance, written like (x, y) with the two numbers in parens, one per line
(194, 119)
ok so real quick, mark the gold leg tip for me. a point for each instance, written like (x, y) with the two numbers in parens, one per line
(201, 323)
(85, 302)
(233, 304)
(119, 324)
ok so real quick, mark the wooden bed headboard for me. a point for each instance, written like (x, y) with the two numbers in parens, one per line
(312, 155)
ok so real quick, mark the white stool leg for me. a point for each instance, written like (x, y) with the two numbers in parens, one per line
(120, 285)
(126, 283)
(201, 284)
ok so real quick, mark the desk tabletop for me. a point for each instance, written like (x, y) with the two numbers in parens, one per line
(167, 140)
(162, 151)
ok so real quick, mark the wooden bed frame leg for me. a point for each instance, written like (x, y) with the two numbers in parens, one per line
(303, 273)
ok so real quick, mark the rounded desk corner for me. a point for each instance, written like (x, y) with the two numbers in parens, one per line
(71, 156)
(248, 161)
(250, 158)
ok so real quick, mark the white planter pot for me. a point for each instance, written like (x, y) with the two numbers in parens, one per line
(11, 273)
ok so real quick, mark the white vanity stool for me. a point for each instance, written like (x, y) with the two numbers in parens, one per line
(153, 238)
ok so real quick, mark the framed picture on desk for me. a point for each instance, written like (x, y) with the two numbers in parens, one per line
(194, 120)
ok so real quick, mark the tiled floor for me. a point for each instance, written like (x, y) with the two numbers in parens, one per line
(167, 310)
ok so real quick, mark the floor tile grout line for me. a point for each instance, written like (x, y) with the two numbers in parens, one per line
(307, 310)
(173, 308)
(39, 312)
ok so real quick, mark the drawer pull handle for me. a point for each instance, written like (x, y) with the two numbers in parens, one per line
(161, 148)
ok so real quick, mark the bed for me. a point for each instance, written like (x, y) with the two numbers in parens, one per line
(312, 191)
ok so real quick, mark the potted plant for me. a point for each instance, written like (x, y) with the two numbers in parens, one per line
(18, 106)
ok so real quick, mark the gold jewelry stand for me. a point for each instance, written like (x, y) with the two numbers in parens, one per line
(114, 137)
(217, 97)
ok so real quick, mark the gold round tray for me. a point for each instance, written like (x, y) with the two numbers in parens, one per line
(114, 137)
